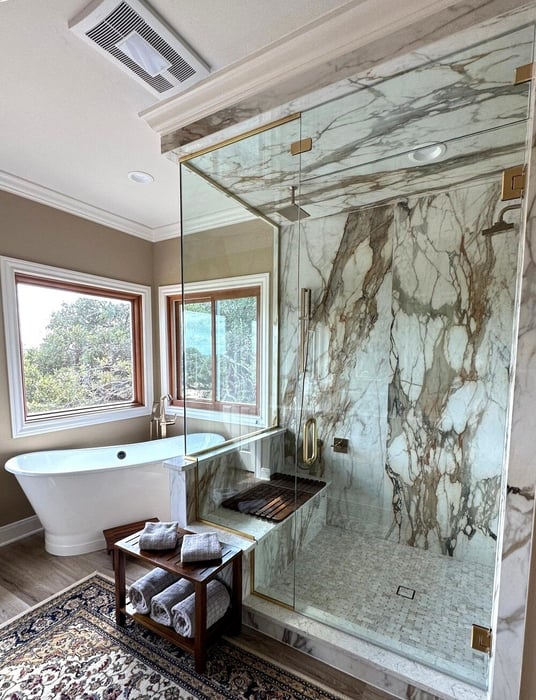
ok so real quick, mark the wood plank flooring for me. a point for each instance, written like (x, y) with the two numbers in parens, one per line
(29, 575)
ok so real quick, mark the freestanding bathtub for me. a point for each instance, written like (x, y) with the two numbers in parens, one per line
(78, 493)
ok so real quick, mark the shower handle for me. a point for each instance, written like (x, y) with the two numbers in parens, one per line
(310, 439)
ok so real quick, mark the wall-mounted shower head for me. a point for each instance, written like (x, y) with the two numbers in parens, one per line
(500, 226)
(293, 212)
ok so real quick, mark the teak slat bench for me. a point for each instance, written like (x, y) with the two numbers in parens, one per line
(200, 574)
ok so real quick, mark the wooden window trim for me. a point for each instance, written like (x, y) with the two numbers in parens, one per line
(136, 321)
(175, 349)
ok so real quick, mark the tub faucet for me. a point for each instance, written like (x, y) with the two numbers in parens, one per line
(159, 420)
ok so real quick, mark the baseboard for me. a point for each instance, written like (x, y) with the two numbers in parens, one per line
(19, 529)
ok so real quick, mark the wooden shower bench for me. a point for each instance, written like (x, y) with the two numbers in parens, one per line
(200, 574)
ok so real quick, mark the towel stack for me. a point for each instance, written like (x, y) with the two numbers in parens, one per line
(163, 603)
(204, 546)
(158, 536)
(183, 614)
(171, 600)
(142, 591)
(168, 598)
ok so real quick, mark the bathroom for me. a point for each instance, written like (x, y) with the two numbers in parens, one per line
(374, 406)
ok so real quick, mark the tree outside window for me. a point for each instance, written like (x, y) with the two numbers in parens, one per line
(83, 356)
(78, 347)
(220, 364)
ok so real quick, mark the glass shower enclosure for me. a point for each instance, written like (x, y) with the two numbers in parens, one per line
(386, 346)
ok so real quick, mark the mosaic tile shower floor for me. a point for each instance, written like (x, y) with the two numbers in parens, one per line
(351, 582)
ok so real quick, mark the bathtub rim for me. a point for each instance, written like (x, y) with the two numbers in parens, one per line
(15, 466)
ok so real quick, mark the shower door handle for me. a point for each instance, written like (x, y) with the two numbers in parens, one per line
(310, 439)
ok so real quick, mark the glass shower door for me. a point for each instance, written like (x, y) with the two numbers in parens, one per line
(409, 350)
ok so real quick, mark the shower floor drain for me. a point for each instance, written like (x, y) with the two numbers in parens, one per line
(406, 592)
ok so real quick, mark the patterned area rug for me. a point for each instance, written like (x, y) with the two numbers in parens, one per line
(69, 647)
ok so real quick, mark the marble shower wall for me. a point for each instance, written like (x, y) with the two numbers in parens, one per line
(451, 340)
(409, 356)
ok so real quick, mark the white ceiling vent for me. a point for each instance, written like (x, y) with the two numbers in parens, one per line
(132, 36)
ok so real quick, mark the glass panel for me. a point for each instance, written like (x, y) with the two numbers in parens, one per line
(230, 246)
(409, 351)
(461, 94)
(396, 307)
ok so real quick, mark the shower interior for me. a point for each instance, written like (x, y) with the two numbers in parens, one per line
(406, 353)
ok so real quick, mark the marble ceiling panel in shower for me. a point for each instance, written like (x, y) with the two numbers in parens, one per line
(366, 136)
(461, 94)
(477, 157)
(451, 338)
(346, 262)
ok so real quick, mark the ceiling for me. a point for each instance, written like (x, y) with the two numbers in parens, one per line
(70, 130)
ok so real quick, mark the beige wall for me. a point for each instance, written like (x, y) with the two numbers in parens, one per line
(38, 233)
(241, 249)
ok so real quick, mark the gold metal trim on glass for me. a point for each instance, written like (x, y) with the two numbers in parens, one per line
(523, 74)
(241, 137)
(230, 195)
(513, 182)
(481, 638)
(302, 146)
(230, 530)
(272, 600)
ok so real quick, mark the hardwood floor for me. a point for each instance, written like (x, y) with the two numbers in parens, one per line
(29, 575)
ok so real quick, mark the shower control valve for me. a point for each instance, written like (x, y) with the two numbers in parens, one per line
(340, 445)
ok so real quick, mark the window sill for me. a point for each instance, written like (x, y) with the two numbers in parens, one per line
(51, 425)
(228, 417)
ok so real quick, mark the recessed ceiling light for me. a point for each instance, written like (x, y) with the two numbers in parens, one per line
(140, 177)
(426, 153)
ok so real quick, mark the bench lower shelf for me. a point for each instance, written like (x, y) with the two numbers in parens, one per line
(186, 643)
(200, 575)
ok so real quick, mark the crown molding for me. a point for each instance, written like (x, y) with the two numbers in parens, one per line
(328, 38)
(51, 198)
(70, 205)
(217, 219)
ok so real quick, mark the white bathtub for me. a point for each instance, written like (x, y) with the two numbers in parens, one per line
(78, 493)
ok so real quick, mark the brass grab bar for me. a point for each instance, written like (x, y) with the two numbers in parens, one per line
(310, 427)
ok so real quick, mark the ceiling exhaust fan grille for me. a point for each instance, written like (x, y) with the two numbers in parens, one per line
(120, 22)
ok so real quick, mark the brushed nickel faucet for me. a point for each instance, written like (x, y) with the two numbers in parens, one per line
(159, 420)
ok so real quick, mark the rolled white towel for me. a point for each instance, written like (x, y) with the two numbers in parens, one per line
(158, 536)
(142, 591)
(203, 546)
(183, 614)
(162, 603)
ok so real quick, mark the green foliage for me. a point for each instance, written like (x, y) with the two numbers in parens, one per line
(236, 350)
(85, 358)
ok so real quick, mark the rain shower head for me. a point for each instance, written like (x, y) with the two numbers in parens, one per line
(500, 226)
(293, 212)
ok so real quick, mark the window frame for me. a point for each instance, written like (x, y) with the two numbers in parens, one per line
(223, 288)
(12, 271)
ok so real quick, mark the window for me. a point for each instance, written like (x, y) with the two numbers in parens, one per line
(216, 337)
(77, 344)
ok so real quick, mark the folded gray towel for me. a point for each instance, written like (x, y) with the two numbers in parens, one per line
(183, 614)
(142, 591)
(158, 536)
(162, 603)
(201, 547)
